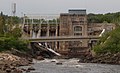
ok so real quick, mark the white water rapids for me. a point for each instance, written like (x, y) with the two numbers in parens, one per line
(71, 66)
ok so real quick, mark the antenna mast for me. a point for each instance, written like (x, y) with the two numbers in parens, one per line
(13, 9)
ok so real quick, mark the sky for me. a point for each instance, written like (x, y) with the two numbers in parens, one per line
(58, 6)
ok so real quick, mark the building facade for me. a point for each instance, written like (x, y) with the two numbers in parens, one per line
(73, 23)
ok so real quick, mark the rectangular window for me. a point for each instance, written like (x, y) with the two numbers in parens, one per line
(75, 22)
(77, 34)
(81, 19)
(77, 28)
(73, 19)
(81, 22)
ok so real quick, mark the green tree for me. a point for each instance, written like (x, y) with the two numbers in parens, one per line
(100, 18)
(8, 43)
(2, 23)
(16, 32)
(110, 42)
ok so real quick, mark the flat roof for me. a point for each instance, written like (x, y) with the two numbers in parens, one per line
(75, 11)
(71, 14)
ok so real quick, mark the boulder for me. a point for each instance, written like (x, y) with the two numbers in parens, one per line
(8, 70)
(31, 68)
(59, 63)
(17, 71)
(2, 71)
(40, 58)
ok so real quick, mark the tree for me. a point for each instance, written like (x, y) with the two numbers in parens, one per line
(16, 32)
(1, 26)
(109, 42)
(100, 18)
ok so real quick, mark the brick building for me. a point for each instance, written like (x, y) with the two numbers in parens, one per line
(73, 23)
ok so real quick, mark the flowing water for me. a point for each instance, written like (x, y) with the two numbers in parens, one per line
(71, 66)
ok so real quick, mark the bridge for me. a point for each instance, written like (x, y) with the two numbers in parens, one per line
(46, 37)
(62, 38)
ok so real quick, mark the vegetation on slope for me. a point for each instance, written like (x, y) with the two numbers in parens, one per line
(10, 35)
(8, 43)
(109, 42)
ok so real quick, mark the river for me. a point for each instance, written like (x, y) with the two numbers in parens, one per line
(71, 66)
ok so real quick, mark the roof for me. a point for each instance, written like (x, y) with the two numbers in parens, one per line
(75, 11)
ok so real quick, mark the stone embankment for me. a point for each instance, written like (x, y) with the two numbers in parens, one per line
(10, 62)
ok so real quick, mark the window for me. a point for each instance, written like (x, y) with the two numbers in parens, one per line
(64, 22)
(82, 22)
(77, 28)
(75, 23)
(81, 19)
(78, 34)
(73, 19)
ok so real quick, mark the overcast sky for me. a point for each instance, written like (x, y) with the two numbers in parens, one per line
(59, 6)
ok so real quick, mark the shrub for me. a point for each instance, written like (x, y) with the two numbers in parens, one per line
(111, 44)
(6, 43)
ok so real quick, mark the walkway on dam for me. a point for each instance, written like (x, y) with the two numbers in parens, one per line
(62, 38)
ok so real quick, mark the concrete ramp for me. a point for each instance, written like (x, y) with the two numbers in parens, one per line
(53, 51)
(102, 32)
(49, 49)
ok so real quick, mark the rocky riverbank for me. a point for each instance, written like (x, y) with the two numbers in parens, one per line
(9, 62)
(106, 58)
